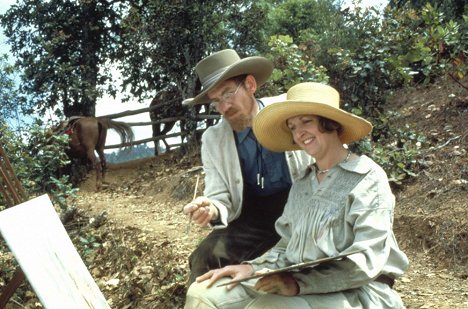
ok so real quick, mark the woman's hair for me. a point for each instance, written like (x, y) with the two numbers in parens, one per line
(328, 125)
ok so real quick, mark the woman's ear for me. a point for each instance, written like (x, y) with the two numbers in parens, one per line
(250, 83)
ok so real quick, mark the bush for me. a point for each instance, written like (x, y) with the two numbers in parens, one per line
(292, 65)
(37, 157)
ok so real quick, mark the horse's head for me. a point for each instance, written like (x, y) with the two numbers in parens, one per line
(60, 127)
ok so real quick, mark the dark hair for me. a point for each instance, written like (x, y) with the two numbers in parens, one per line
(328, 125)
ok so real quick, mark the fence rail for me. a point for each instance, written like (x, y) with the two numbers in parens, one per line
(199, 117)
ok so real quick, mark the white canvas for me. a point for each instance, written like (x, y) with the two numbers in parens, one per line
(53, 267)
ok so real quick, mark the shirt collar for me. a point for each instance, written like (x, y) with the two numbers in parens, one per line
(242, 135)
(361, 165)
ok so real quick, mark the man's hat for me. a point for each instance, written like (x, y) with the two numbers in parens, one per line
(226, 64)
(270, 125)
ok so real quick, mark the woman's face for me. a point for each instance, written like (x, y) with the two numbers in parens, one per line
(305, 130)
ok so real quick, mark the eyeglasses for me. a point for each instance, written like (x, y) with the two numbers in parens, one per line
(226, 97)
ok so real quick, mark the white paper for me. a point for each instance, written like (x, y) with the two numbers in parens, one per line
(40, 244)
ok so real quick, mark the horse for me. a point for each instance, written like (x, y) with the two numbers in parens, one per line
(168, 104)
(88, 134)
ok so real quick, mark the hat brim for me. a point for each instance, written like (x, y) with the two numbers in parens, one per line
(260, 67)
(272, 132)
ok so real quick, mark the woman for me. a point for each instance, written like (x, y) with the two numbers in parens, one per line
(343, 203)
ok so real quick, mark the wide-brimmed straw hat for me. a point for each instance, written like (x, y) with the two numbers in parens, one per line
(226, 64)
(270, 125)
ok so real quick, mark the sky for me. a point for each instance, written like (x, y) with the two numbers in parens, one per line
(108, 105)
(4, 5)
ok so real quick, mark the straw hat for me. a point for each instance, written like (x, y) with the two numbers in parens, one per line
(226, 64)
(271, 129)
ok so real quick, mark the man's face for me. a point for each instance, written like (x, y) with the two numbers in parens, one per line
(236, 102)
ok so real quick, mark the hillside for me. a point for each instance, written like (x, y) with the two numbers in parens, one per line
(143, 261)
(137, 244)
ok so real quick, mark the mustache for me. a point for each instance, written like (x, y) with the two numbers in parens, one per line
(231, 111)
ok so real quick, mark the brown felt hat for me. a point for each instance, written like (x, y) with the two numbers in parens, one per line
(309, 98)
(224, 65)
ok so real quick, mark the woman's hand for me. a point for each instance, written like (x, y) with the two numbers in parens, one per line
(280, 283)
(233, 271)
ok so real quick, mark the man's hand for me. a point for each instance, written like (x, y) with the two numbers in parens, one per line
(201, 210)
(280, 283)
(233, 271)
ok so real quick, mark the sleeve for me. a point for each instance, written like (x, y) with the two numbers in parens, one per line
(272, 259)
(370, 216)
(216, 188)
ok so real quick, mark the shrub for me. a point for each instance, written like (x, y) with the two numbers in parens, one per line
(37, 157)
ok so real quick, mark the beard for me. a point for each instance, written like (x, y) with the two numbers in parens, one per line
(242, 118)
(241, 122)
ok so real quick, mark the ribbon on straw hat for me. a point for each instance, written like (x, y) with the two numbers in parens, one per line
(225, 64)
(309, 98)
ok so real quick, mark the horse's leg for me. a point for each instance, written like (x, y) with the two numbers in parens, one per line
(97, 167)
(167, 127)
(156, 132)
(100, 150)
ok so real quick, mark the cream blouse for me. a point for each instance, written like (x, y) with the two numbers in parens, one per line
(351, 209)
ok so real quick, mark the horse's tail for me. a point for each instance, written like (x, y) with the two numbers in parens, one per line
(124, 130)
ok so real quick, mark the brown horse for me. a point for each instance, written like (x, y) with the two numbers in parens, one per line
(168, 104)
(88, 134)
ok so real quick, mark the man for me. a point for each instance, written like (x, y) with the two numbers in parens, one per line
(246, 185)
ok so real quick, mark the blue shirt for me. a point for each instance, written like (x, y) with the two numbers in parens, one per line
(265, 172)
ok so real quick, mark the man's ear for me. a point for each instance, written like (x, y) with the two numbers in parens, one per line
(250, 83)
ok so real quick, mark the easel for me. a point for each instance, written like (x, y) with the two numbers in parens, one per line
(13, 194)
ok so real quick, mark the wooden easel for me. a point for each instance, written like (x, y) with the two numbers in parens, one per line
(13, 194)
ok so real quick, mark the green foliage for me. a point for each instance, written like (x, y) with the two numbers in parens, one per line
(163, 41)
(292, 65)
(453, 9)
(36, 159)
(88, 243)
(397, 149)
(425, 43)
(292, 17)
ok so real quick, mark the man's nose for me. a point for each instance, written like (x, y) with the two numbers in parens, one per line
(223, 107)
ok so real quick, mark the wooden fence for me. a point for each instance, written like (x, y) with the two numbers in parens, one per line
(199, 117)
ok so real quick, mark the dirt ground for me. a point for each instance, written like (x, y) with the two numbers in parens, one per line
(139, 241)
(144, 199)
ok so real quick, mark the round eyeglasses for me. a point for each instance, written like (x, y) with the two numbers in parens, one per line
(225, 97)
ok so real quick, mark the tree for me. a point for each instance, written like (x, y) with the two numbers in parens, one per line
(164, 40)
(9, 97)
(452, 9)
(62, 47)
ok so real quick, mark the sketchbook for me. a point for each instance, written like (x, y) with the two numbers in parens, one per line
(295, 267)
